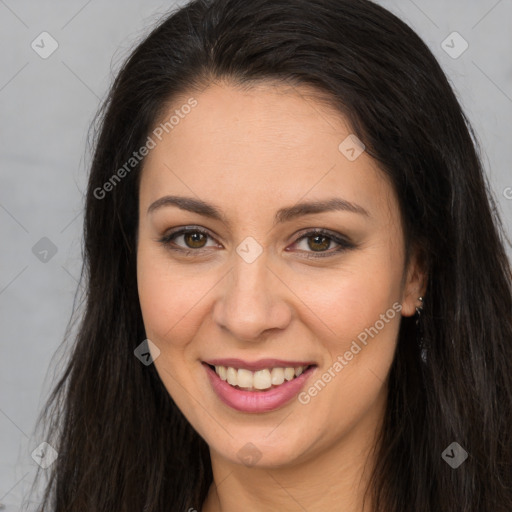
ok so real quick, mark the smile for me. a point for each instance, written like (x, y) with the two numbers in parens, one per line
(259, 380)
(262, 390)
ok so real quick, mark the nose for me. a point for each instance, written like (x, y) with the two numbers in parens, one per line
(252, 301)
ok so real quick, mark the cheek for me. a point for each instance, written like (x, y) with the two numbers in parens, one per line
(357, 314)
(155, 300)
(345, 302)
(172, 297)
(161, 294)
(350, 387)
(167, 299)
(363, 321)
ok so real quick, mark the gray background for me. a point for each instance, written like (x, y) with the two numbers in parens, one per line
(47, 106)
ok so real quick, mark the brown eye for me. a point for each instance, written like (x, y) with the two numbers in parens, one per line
(319, 240)
(193, 239)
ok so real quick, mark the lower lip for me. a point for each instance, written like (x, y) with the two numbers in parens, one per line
(257, 401)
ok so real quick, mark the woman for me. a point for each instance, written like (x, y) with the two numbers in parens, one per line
(297, 294)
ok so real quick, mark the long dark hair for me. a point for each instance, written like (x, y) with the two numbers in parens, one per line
(123, 444)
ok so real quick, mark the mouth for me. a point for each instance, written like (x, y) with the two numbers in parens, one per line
(261, 380)
(257, 391)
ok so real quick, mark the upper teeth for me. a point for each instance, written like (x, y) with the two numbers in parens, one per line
(261, 379)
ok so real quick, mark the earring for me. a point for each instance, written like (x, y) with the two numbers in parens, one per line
(419, 329)
(419, 310)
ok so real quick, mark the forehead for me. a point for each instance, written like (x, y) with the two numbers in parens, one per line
(257, 145)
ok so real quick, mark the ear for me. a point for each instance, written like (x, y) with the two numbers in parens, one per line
(415, 283)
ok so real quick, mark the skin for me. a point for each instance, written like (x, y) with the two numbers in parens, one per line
(251, 153)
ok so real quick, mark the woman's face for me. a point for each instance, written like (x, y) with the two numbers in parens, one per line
(253, 283)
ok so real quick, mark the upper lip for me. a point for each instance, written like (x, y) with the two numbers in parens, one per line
(260, 364)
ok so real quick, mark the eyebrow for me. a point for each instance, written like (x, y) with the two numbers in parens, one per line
(283, 215)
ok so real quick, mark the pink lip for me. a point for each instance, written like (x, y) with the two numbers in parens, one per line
(261, 364)
(257, 401)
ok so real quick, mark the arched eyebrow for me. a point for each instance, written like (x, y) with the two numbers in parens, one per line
(282, 215)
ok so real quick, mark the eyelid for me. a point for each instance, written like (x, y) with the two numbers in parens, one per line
(321, 231)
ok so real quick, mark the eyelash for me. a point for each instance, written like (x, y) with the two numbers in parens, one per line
(344, 244)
